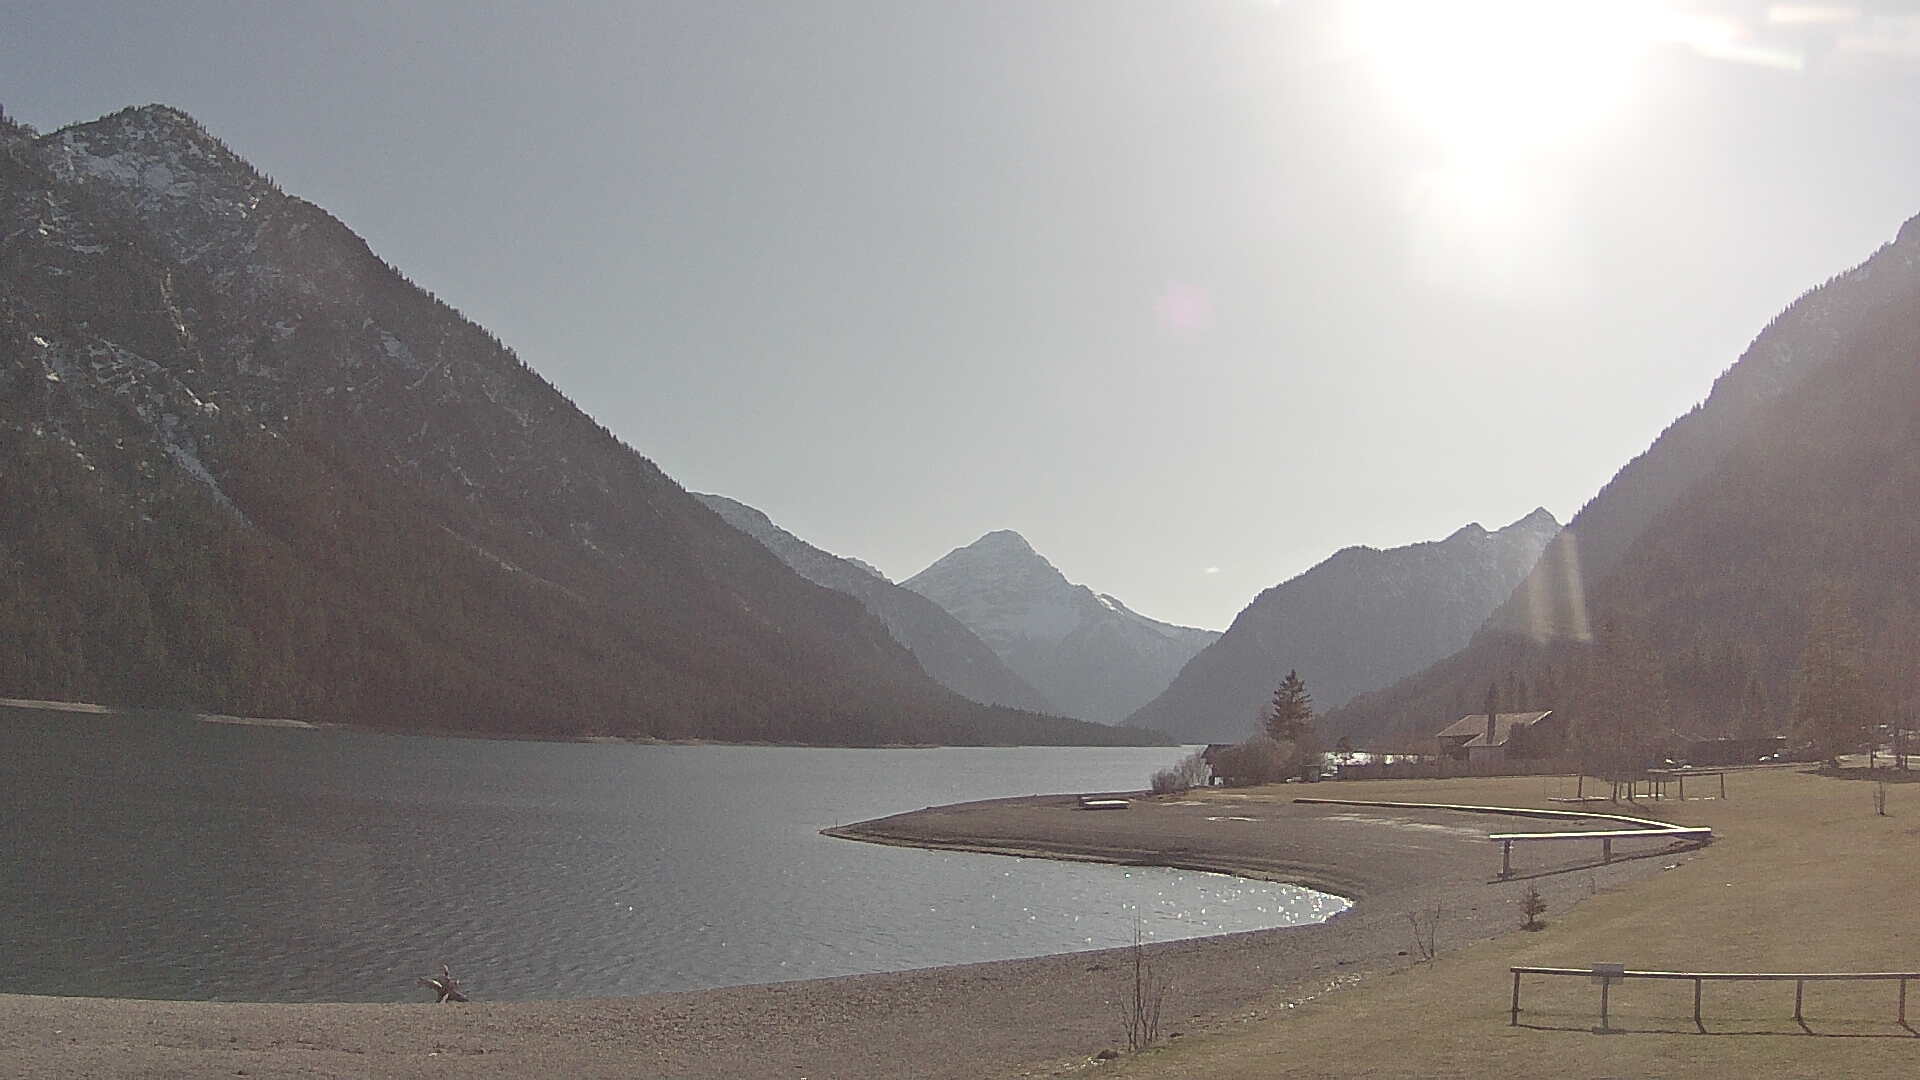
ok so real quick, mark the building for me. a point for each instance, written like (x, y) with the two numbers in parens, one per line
(1501, 736)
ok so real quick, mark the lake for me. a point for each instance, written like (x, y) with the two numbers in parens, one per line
(169, 858)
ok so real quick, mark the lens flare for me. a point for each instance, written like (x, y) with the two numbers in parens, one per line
(1184, 310)
(1555, 594)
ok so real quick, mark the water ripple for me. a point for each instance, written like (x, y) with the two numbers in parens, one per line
(172, 859)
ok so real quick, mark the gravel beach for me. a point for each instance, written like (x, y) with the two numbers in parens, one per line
(1043, 1016)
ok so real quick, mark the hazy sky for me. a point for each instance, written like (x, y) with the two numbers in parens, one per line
(1190, 294)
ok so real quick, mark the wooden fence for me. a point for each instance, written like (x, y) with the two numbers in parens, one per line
(1640, 828)
(1607, 974)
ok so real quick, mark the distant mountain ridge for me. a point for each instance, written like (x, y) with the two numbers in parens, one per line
(948, 651)
(1794, 477)
(246, 466)
(1355, 622)
(1087, 652)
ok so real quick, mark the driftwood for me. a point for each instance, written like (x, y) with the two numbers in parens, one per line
(446, 986)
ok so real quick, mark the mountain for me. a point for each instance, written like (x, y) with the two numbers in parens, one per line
(947, 650)
(1795, 479)
(1086, 652)
(1355, 622)
(247, 466)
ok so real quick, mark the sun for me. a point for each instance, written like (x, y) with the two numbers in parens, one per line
(1501, 77)
(1501, 91)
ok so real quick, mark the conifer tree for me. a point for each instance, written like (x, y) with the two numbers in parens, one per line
(1515, 695)
(1830, 698)
(1290, 717)
(1753, 708)
(1623, 711)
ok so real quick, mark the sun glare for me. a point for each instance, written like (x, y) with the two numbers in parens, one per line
(1501, 88)
(1504, 76)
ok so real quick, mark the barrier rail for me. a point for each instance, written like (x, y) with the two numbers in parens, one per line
(1642, 827)
(1504, 811)
(1662, 777)
(1605, 836)
(1605, 974)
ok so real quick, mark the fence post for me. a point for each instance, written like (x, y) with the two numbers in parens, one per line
(1606, 849)
(1506, 871)
(1604, 974)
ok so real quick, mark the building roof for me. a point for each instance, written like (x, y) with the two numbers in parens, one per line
(1472, 730)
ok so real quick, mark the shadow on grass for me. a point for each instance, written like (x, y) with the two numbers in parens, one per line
(1905, 1031)
(1677, 848)
(1883, 774)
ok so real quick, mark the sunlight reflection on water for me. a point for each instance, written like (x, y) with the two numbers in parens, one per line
(173, 859)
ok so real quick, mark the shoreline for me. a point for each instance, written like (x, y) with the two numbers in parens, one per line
(1046, 1015)
(1338, 886)
(145, 712)
(126, 712)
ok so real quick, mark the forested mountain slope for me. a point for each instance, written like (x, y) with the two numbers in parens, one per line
(1698, 566)
(247, 466)
(1354, 622)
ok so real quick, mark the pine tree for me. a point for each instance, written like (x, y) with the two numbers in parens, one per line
(1623, 711)
(1515, 695)
(1830, 698)
(1752, 723)
(1290, 717)
(1533, 905)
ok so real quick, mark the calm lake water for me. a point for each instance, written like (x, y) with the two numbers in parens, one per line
(177, 859)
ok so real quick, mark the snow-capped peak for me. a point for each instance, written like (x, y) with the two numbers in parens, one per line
(1087, 651)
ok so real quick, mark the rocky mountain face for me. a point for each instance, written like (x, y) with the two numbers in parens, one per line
(947, 650)
(1798, 477)
(1087, 652)
(1355, 622)
(247, 466)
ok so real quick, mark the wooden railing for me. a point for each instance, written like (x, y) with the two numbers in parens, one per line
(1637, 827)
(1606, 974)
(1606, 837)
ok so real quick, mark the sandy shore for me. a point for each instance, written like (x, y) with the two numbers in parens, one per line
(1042, 1016)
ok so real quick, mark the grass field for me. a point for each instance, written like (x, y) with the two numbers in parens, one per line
(1803, 876)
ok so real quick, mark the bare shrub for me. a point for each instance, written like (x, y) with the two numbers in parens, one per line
(1259, 760)
(1191, 772)
(1426, 933)
(1140, 1013)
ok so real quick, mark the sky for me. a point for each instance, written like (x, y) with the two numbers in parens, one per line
(1190, 294)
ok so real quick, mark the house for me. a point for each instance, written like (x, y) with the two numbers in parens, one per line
(1500, 736)
(1209, 755)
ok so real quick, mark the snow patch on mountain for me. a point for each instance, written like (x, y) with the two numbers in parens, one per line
(1091, 654)
(946, 649)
